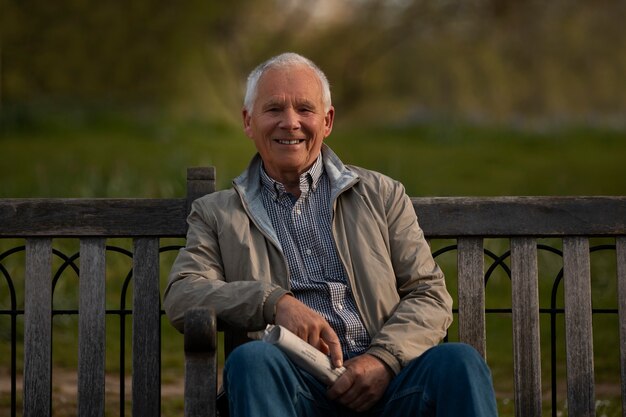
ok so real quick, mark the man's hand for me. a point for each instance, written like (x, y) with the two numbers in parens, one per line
(363, 384)
(309, 326)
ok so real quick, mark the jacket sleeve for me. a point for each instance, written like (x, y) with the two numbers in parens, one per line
(424, 313)
(197, 279)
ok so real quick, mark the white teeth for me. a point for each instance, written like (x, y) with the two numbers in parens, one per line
(289, 142)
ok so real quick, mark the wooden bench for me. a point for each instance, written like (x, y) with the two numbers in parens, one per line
(93, 221)
(467, 221)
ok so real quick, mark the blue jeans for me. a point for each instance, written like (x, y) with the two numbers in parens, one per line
(451, 379)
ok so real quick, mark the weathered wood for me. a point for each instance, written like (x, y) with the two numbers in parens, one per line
(471, 290)
(91, 328)
(38, 328)
(578, 327)
(92, 217)
(200, 363)
(467, 219)
(525, 312)
(146, 328)
(621, 297)
(465, 216)
(200, 181)
(521, 216)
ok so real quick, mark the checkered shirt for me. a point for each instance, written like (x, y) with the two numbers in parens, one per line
(316, 274)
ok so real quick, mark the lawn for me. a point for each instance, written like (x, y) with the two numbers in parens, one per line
(115, 159)
(118, 158)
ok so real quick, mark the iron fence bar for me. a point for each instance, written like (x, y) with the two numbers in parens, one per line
(13, 313)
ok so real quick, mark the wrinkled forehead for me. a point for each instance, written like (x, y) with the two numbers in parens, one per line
(294, 81)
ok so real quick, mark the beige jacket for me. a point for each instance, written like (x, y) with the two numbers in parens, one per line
(233, 261)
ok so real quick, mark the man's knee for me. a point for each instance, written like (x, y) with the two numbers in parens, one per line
(456, 352)
(252, 355)
(464, 363)
(456, 358)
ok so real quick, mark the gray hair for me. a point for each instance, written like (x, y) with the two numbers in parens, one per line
(286, 59)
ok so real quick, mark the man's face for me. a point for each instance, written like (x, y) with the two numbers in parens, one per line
(288, 123)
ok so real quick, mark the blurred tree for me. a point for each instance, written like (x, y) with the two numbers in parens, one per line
(396, 60)
(95, 51)
(241, 34)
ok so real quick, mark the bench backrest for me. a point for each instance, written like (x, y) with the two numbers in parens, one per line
(467, 220)
(523, 220)
(93, 221)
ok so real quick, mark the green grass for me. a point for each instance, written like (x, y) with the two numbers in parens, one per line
(117, 158)
(122, 160)
(459, 160)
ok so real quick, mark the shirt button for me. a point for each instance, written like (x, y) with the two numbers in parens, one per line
(339, 307)
(298, 211)
(308, 251)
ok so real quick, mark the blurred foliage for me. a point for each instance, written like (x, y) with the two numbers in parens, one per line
(486, 61)
(94, 51)
(117, 159)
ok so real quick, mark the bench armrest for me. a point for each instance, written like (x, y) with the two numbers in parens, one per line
(200, 363)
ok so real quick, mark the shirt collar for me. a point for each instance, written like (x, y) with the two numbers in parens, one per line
(309, 180)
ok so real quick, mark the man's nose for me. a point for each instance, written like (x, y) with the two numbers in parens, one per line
(290, 120)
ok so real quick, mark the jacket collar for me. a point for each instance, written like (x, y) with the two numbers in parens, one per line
(248, 186)
(341, 177)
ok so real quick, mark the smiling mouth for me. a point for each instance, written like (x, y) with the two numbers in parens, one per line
(289, 141)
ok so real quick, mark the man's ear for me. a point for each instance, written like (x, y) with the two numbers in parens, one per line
(247, 117)
(329, 118)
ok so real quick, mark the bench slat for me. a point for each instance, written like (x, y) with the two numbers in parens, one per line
(464, 216)
(471, 293)
(38, 328)
(526, 343)
(578, 327)
(621, 297)
(146, 328)
(521, 216)
(200, 181)
(78, 217)
(91, 328)
(200, 363)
